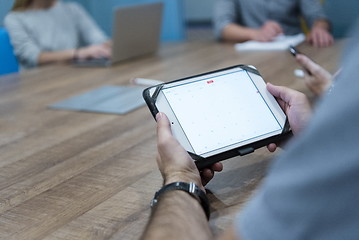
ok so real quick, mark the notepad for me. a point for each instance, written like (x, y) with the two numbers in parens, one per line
(106, 99)
(280, 43)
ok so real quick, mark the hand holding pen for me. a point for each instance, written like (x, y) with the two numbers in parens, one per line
(317, 79)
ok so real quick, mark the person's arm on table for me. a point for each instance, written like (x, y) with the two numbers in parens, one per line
(318, 23)
(94, 51)
(30, 54)
(96, 43)
(58, 56)
(237, 33)
(227, 28)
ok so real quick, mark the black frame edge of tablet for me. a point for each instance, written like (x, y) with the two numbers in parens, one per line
(240, 151)
(202, 162)
(151, 100)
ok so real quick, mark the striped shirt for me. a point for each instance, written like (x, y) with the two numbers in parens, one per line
(254, 13)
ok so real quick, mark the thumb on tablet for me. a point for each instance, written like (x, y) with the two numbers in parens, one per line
(163, 126)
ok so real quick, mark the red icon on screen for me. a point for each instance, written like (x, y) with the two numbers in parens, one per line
(211, 81)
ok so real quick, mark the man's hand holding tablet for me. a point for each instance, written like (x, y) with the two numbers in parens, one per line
(220, 114)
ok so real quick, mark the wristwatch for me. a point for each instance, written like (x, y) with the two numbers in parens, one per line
(191, 188)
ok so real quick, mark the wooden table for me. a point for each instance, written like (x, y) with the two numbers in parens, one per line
(76, 175)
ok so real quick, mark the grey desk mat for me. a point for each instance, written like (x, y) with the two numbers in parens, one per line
(106, 99)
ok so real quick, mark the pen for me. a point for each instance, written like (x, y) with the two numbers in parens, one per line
(294, 52)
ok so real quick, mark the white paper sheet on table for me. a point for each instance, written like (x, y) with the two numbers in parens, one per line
(279, 43)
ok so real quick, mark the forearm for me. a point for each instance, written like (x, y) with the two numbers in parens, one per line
(236, 33)
(180, 207)
(58, 56)
(322, 23)
(177, 216)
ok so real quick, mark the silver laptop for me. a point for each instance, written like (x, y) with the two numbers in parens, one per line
(136, 32)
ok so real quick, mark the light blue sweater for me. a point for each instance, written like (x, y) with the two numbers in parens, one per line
(64, 26)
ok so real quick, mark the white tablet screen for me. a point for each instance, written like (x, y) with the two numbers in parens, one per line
(218, 111)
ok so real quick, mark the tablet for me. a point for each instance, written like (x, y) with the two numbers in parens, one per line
(220, 114)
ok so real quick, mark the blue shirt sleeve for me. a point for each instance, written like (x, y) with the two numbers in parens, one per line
(311, 191)
(25, 47)
(312, 11)
(225, 12)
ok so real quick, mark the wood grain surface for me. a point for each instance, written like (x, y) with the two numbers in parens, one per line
(76, 175)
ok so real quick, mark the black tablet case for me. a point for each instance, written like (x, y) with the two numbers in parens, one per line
(243, 150)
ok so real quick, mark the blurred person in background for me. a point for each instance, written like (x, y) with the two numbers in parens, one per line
(48, 31)
(260, 20)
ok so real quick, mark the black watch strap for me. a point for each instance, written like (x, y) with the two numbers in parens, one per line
(191, 188)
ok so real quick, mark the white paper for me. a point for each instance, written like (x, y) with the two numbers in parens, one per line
(280, 43)
(145, 82)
